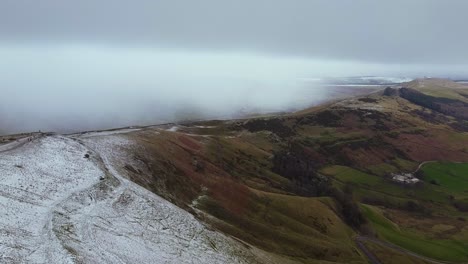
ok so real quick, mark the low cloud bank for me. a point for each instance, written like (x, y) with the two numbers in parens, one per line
(68, 88)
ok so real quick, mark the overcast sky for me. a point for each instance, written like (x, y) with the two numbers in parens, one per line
(69, 64)
(402, 31)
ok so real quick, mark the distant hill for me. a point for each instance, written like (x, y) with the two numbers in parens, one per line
(440, 88)
(442, 96)
(434, 83)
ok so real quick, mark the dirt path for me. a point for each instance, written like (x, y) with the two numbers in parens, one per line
(18, 143)
(360, 239)
(71, 216)
(370, 256)
(422, 164)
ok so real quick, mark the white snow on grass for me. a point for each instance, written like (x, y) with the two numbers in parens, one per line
(107, 132)
(173, 129)
(14, 144)
(33, 180)
(63, 200)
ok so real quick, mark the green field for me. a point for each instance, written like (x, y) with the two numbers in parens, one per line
(365, 183)
(451, 177)
(451, 250)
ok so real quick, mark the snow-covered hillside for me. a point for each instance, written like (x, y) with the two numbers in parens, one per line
(64, 200)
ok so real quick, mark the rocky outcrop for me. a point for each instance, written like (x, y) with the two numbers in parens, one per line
(445, 106)
(391, 92)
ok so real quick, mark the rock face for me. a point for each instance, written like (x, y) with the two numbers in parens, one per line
(391, 92)
(445, 106)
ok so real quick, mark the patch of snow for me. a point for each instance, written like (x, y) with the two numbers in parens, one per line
(108, 132)
(355, 104)
(15, 144)
(173, 129)
(352, 85)
(34, 179)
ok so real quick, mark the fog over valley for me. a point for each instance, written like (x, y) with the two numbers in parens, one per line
(67, 88)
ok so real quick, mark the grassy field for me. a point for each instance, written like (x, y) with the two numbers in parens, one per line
(365, 183)
(449, 250)
(451, 177)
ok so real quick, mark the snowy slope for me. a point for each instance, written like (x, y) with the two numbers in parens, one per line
(63, 200)
(34, 180)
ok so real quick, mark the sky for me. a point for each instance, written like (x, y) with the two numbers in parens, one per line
(75, 65)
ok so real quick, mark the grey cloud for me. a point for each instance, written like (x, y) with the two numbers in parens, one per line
(402, 31)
